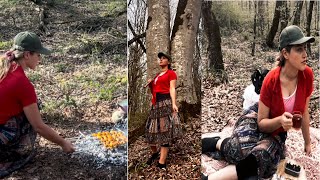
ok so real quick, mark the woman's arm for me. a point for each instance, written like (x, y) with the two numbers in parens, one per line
(33, 115)
(269, 125)
(305, 124)
(173, 95)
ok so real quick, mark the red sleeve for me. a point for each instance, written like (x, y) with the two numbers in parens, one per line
(25, 92)
(309, 80)
(172, 76)
(265, 93)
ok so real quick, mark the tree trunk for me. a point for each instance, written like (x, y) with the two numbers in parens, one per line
(309, 24)
(298, 8)
(212, 31)
(134, 72)
(158, 33)
(183, 38)
(275, 24)
(254, 29)
(316, 16)
(284, 15)
(267, 14)
(261, 15)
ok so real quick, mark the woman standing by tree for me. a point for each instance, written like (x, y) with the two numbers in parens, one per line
(163, 124)
(20, 118)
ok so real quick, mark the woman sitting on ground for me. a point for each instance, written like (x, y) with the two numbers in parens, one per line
(257, 143)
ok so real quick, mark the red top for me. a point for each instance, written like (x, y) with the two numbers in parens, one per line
(16, 92)
(161, 84)
(271, 94)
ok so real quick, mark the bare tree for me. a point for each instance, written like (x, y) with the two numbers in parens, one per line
(297, 13)
(275, 24)
(254, 29)
(309, 24)
(284, 15)
(183, 45)
(137, 97)
(212, 30)
(260, 16)
(316, 16)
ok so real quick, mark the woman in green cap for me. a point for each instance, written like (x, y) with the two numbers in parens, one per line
(20, 119)
(163, 123)
(283, 104)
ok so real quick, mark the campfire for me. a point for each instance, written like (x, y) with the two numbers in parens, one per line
(105, 147)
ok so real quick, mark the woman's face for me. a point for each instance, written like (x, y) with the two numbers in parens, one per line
(297, 57)
(163, 61)
(32, 59)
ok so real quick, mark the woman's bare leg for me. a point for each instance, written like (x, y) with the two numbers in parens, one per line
(227, 173)
(163, 154)
(218, 145)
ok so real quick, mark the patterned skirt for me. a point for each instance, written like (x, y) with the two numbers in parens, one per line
(246, 139)
(17, 144)
(163, 126)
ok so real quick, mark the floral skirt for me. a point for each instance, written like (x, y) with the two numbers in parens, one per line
(246, 139)
(17, 144)
(163, 125)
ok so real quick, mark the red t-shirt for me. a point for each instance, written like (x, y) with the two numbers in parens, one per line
(161, 84)
(271, 94)
(16, 92)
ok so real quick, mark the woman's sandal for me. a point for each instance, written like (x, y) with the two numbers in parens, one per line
(153, 157)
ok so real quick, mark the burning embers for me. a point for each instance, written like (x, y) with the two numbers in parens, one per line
(101, 149)
(111, 139)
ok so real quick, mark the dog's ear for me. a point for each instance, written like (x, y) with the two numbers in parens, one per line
(255, 76)
(264, 72)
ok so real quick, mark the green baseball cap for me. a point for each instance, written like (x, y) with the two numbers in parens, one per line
(29, 41)
(160, 54)
(293, 35)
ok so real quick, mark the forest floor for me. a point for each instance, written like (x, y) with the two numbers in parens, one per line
(222, 102)
(79, 84)
(183, 161)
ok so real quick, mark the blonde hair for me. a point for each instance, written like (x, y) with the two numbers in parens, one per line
(5, 62)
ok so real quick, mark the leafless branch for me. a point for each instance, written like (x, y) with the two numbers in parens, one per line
(135, 36)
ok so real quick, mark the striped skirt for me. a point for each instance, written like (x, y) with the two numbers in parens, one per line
(162, 126)
(17, 144)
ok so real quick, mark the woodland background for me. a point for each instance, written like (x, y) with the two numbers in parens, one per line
(80, 83)
(216, 48)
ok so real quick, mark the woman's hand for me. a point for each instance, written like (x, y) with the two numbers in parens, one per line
(67, 147)
(307, 148)
(286, 121)
(174, 108)
(148, 82)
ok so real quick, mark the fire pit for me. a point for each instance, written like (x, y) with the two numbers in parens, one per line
(103, 148)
